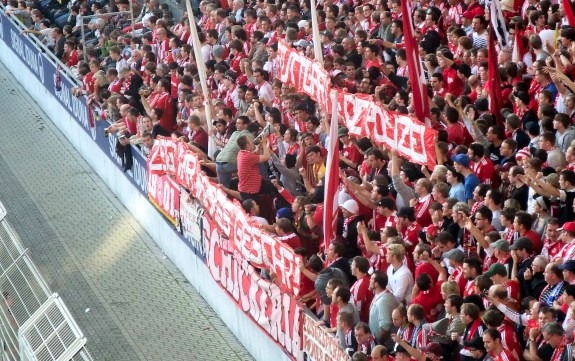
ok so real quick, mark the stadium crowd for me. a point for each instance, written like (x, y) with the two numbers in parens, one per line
(473, 259)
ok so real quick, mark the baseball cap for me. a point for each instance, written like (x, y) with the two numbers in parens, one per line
(302, 24)
(455, 254)
(284, 213)
(342, 131)
(462, 159)
(433, 347)
(568, 226)
(351, 206)
(336, 73)
(501, 245)
(496, 269)
(476, 343)
(568, 265)
(522, 243)
(302, 43)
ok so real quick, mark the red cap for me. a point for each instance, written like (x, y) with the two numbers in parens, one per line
(568, 226)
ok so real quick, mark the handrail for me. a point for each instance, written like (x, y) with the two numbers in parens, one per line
(50, 55)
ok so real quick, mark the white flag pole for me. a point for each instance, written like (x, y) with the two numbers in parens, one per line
(317, 47)
(202, 72)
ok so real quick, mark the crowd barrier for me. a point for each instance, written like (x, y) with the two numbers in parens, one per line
(207, 239)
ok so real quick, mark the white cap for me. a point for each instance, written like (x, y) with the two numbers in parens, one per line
(336, 73)
(351, 206)
(301, 23)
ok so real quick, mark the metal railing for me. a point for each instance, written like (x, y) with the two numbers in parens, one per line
(99, 27)
(35, 324)
(68, 73)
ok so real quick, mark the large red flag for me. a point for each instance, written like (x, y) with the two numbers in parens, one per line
(568, 10)
(414, 65)
(493, 85)
(331, 178)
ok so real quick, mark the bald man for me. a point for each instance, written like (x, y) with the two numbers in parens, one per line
(379, 353)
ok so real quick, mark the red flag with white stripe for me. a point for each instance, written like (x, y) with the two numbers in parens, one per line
(414, 66)
(494, 83)
(331, 182)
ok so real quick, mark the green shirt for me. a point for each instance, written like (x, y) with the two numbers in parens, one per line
(230, 152)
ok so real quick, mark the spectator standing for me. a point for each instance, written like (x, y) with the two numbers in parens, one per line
(381, 308)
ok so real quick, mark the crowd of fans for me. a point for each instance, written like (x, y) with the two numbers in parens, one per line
(473, 259)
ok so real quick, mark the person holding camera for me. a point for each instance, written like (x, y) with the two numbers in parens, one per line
(251, 184)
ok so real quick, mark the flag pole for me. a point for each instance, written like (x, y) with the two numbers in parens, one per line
(331, 182)
(202, 72)
(317, 47)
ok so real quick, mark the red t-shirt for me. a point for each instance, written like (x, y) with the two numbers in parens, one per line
(72, 59)
(535, 240)
(361, 297)
(248, 172)
(425, 267)
(352, 153)
(429, 300)
(456, 134)
(451, 82)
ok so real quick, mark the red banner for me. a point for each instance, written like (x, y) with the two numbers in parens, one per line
(318, 345)
(271, 308)
(363, 117)
(164, 194)
(247, 238)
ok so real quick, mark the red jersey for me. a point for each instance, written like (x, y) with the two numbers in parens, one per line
(485, 171)
(411, 235)
(458, 277)
(361, 297)
(509, 338)
(512, 287)
(164, 101)
(505, 355)
(551, 249)
(422, 210)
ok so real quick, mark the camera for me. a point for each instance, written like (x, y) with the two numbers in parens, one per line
(265, 131)
(145, 91)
